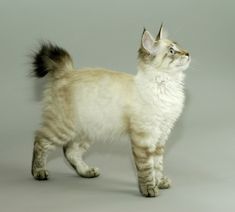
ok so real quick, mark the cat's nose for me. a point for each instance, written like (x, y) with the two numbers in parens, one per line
(187, 54)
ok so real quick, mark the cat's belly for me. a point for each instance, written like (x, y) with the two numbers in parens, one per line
(101, 122)
(101, 129)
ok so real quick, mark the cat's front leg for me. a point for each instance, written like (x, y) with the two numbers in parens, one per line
(163, 182)
(144, 160)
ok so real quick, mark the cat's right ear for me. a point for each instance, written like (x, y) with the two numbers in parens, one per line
(148, 42)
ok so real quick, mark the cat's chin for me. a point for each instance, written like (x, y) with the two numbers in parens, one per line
(177, 69)
(182, 67)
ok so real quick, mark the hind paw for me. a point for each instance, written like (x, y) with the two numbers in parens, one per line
(41, 174)
(90, 173)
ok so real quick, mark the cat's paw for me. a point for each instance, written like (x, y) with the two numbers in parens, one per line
(164, 183)
(149, 190)
(90, 173)
(40, 174)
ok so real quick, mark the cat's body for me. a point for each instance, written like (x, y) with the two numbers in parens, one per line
(89, 105)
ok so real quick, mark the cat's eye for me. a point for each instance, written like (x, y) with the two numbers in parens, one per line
(172, 51)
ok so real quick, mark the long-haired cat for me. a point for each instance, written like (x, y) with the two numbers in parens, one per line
(88, 105)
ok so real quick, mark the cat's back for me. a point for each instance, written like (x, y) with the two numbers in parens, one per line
(96, 75)
(102, 85)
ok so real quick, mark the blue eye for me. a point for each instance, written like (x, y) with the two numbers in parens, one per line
(172, 51)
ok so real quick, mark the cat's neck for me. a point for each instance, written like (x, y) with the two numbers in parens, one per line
(152, 84)
(159, 77)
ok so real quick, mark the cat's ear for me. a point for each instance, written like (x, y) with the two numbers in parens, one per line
(148, 42)
(162, 34)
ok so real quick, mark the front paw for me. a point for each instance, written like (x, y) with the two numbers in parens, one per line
(164, 183)
(149, 190)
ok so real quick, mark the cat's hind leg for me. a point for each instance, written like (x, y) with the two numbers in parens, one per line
(73, 152)
(48, 137)
(42, 146)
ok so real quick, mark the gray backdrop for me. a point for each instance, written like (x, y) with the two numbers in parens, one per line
(200, 153)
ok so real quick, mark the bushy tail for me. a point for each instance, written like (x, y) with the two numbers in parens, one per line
(51, 58)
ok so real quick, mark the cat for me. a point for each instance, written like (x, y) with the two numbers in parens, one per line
(96, 104)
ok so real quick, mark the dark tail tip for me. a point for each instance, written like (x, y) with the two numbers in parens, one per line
(46, 58)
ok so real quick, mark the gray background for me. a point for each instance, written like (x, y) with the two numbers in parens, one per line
(200, 152)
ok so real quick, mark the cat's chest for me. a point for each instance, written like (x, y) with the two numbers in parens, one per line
(168, 99)
(164, 101)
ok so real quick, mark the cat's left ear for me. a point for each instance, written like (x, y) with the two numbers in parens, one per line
(162, 34)
(148, 42)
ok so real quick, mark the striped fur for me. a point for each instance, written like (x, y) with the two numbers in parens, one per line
(88, 105)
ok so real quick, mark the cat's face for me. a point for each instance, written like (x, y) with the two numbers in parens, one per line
(162, 54)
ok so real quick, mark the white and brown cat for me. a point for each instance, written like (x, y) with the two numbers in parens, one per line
(87, 105)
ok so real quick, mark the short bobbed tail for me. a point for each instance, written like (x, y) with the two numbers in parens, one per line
(51, 58)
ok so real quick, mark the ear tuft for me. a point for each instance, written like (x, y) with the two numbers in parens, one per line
(159, 35)
(162, 34)
(143, 31)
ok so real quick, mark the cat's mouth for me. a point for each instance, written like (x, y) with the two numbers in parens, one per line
(184, 62)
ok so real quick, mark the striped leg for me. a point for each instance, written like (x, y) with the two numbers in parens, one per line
(73, 152)
(162, 181)
(52, 134)
(42, 147)
(145, 170)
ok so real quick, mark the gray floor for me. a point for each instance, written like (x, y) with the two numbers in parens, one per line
(200, 152)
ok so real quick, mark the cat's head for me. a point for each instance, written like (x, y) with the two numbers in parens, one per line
(162, 54)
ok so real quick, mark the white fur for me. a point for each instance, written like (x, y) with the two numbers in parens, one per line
(154, 103)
